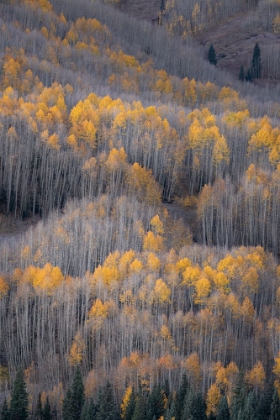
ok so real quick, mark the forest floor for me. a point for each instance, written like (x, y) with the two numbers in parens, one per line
(233, 39)
(234, 43)
(12, 228)
(141, 9)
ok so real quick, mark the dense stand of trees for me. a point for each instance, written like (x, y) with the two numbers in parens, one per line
(107, 298)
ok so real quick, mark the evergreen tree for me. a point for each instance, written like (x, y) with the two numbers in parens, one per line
(170, 412)
(241, 75)
(166, 388)
(275, 406)
(256, 62)
(155, 405)
(140, 411)
(212, 416)
(75, 398)
(89, 410)
(223, 409)
(5, 413)
(78, 394)
(130, 406)
(239, 397)
(212, 55)
(54, 414)
(47, 410)
(39, 409)
(186, 411)
(248, 76)
(67, 405)
(107, 408)
(180, 396)
(250, 409)
(19, 399)
(198, 408)
(264, 404)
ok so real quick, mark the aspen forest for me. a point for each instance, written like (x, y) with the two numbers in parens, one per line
(139, 212)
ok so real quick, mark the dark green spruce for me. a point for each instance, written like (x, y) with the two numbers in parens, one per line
(212, 55)
(5, 412)
(74, 398)
(19, 399)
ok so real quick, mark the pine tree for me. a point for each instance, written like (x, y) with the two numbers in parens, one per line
(47, 410)
(264, 404)
(107, 408)
(155, 405)
(275, 406)
(256, 62)
(39, 409)
(5, 413)
(212, 416)
(89, 410)
(241, 75)
(212, 55)
(239, 398)
(248, 76)
(140, 411)
(78, 394)
(186, 411)
(170, 412)
(250, 409)
(180, 397)
(67, 405)
(223, 409)
(19, 399)
(74, 398)
(130, 407)
(198, 408)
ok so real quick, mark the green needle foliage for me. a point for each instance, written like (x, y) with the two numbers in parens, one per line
(212, 55)
(19, 400)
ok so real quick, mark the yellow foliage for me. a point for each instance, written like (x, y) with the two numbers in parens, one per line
(53, 141)
(153, 263)
(167, 362)
(99, 309)
(213, 399)
(106, 275)
(233, 305)
(3, 287)
(183, 264)
(165, 333)
(46, 279)
(153, 243)
(191, 275)
(192, 366)
(116, 159)
(77, 351)
(248, 311)
(256, 376)
(136, 266)
(221, 282)
(157, 225)
(125, 401)
(203, 289)
(161, 291)
(125, 262)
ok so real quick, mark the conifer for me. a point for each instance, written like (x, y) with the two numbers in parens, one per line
(241, 75)
(5, 413)
(256, 62)
(212, 55)
(19, 400)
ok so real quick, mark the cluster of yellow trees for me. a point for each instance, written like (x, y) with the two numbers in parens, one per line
(143, 317)
(95, 132)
